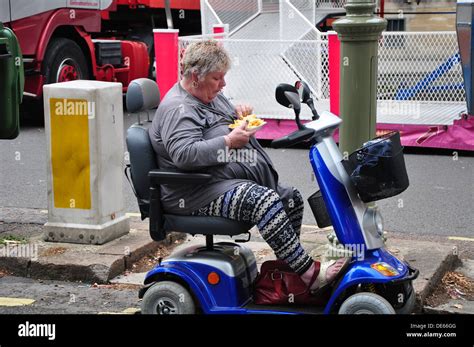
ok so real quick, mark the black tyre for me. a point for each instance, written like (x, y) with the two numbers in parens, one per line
(64, 61)
(366, 303)
(167, 298)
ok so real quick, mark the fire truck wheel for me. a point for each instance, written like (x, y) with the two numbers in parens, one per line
(64, 61)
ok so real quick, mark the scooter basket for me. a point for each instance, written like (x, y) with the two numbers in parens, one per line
(320, 212)
(377, 169)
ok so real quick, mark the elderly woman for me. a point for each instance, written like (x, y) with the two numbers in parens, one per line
(190, 132)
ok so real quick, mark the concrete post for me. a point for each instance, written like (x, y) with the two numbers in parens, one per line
(84, 132)
(359, 32)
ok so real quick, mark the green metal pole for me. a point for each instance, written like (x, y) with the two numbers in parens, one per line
(359, 32)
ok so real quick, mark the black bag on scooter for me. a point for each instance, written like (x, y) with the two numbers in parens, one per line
(377, 169)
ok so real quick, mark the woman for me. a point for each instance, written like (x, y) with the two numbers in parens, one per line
(191, 132)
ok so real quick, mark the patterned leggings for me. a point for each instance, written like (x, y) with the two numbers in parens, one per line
(263, 207)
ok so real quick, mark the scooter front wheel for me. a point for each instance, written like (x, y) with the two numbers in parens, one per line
(167, 298)
(366, 303)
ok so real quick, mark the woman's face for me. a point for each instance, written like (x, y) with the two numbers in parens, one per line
(210, 86)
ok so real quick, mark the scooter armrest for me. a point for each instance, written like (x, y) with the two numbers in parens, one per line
(158, 177)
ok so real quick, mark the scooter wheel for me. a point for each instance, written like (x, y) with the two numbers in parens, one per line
(366, 303)
(167, 298)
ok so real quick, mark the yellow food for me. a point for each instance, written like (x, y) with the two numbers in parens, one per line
(253, 122)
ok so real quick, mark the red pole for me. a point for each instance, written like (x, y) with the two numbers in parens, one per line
(166, 58)
(382, 8)
(220, 29)
(334, 71)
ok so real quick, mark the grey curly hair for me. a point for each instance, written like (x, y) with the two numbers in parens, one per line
(204, 57)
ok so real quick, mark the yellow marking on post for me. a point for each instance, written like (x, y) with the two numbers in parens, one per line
(70, 153)
(458, 238)
(15, 301)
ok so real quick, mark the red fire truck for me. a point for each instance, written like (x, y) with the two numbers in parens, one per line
(105, 40)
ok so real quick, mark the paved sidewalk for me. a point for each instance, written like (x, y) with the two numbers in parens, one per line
(107, 263)
(432, 259)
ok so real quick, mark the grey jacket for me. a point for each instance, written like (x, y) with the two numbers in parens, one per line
(188, 135)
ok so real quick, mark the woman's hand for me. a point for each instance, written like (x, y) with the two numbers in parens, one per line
(243, 110)
(240, 136)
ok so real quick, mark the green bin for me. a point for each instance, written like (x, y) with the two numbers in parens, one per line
(12, 80)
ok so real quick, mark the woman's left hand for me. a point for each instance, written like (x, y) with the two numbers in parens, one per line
(243, 110)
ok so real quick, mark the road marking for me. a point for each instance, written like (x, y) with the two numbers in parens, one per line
(133, 214)
(130, 310)
(458, 238)
(312, 226)
(15, 301)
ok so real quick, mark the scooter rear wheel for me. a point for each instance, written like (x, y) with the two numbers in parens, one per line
(167, 298)
(366, 303)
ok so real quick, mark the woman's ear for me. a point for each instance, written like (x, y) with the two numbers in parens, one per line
(194, 77)
(194, 80)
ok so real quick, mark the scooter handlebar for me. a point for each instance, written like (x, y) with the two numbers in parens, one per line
(293, 138)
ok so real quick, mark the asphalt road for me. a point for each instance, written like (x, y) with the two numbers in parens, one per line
(439, 200)
(59, 297)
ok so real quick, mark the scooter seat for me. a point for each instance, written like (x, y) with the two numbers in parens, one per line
(204, 225)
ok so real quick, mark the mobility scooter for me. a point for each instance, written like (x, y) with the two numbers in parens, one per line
(219, 277)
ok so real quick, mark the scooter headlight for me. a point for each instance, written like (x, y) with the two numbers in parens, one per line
(373, 221)
(385, 269)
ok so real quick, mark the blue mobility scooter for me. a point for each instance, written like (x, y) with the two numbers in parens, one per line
(219, 277)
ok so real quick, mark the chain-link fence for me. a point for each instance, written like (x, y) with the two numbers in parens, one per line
(310, 61)
(294, 24)
(417, 70)
(235, 13)
(330, 3)
(257, 68)
(420, 66)
(209, 18)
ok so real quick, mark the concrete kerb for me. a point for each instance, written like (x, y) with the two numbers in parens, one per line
(85, 263)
